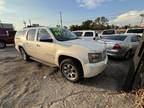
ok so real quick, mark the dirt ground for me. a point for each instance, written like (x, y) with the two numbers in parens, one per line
(34, 85)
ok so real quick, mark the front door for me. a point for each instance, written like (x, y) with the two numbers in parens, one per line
(45, 49)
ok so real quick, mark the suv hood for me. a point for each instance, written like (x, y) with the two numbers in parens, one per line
(92, 45)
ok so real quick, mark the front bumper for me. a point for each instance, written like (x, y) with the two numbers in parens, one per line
(93, 69)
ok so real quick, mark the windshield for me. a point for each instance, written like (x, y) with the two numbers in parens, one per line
(135, 31)
(119, 38)
(63, 34)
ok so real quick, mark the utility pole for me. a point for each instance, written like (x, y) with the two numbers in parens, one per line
(61, 21)
(142, 15)
(24, 22)
(30, 22)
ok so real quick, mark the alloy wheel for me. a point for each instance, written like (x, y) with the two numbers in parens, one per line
(69, 71)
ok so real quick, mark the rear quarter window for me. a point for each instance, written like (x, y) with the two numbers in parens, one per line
(31, 35)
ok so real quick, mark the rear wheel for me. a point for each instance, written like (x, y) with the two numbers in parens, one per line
(24, 56)
(2, 44)
(70, 70)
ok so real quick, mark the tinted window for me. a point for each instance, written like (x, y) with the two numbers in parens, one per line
(119, 38)
(134, 39)
(63, 34)
(43, 32)
(135, 31)
(108, 32)
(78, 33)
(88, 34)
(31, 35)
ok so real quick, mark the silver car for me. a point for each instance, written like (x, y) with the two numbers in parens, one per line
(121, 45)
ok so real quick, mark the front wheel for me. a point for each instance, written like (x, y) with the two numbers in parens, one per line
(24, 56)
(71, 70)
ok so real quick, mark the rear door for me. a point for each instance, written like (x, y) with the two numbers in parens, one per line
(45, 50)
(30, 43)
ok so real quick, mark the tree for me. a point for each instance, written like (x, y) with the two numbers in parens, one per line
(99, 23)
(102, 22)
(87, 24)
(74, 27)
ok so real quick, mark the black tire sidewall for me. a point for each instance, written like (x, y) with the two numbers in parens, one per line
(77, 67)
(4, 44)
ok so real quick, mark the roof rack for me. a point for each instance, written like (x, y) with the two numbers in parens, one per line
(33, 25)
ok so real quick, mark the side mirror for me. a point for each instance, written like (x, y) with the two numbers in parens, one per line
(45, 38)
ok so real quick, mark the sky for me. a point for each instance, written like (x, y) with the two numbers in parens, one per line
(46, 12)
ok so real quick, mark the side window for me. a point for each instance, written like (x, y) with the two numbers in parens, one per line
(134, 39)
(88, 34)
(42, 33)
(31, 35)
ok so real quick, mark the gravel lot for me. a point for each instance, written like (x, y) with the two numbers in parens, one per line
(34, 85)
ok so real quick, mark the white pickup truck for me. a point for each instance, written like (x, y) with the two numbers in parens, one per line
(76, 58)
(87, 34)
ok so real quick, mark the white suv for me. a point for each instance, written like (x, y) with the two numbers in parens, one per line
(75, 57)
(136, 31)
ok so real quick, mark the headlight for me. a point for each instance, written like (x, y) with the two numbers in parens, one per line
(95, 57)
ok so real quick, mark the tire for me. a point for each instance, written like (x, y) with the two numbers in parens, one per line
(24, 55)
(71, 70)
(128, 55)
(2, 44)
